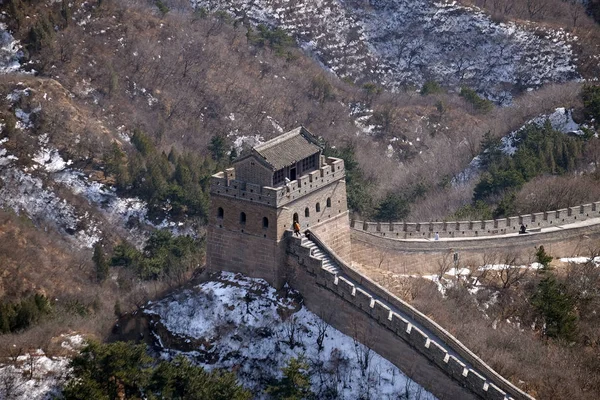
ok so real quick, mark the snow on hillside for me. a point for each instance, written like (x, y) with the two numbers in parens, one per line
(402, 42)
(24, 192)
(236, 323)
(10, 51)
(32, 185)
(35, 375)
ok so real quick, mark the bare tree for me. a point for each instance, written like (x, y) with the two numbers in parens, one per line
(536, 8)
(322, 327)
(444, 264)
(291, 331)
(510, 273)
(10, 384)
(363, 351)
(31, 365)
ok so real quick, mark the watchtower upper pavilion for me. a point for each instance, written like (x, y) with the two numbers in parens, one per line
(255, 202)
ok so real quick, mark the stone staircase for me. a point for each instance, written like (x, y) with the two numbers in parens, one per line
(328, 263)
(419, 331)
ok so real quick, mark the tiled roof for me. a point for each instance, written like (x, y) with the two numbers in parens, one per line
(288, 148)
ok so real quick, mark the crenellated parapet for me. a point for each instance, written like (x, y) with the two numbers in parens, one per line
(407, 323)
(225, 184)
(456, 229)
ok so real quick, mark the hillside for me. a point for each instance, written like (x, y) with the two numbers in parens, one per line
(404, 43)
(113, 116)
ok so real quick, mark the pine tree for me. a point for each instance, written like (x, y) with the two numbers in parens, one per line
(295, 384)
(100, 262)
(556, 307)
(217, 147)
(543, 258)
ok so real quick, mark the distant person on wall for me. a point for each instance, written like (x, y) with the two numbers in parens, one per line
(437, 236)
(522, 229)
(296, 228)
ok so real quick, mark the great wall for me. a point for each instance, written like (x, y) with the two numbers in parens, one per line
(253, 209)
(412, 247)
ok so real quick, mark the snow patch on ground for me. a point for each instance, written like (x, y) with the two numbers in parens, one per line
(48, 157)
(236, 323)
(5, 158)
(10, 52)
(561, 120)
(36, 376)
(118, 211)
(400, 42)
(50, 160)
(24, 192)
(243, 142)
(581, 260)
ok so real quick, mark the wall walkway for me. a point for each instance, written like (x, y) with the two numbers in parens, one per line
(466, 229)
(463, 376)
(422, 255)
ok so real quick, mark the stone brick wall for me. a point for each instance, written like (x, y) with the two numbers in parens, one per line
(363, 314)
(229, 185)
(247, 222)
(334, 192)
(248, 247)
(336, 233)
(422, 257)
(232, 220)
(425, 230)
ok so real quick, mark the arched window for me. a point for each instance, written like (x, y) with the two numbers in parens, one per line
(243, 218)
(265, 222)
(306, 212)
(329, 202)
(220, 212)
(295, 218)
(318, 207)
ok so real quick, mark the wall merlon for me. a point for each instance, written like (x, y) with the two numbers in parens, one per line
(410, 227)
(456, 368)
(399, 325)
(381, 312)
(494, 393)
(363, 299)
(345, 287)
(417, 338)
(586, 210)
(325, 277)
(437, 353)
(462, 226)
(475, 382)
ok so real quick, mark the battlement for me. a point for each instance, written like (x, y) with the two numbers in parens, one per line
(225, 184)
(419, 331)
(451, 229)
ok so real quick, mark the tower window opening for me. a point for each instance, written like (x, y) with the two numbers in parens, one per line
(243, 218)
(220, 212)
(329, 202)
(318, 207)
(306, 212)
(265, 222)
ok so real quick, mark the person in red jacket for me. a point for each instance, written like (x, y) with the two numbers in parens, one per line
(296, 228)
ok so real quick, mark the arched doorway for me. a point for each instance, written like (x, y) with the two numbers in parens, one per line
(295, 218)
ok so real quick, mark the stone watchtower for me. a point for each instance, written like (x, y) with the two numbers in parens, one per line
(254, 203)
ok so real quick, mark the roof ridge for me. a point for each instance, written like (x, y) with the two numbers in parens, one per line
(278, 139)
